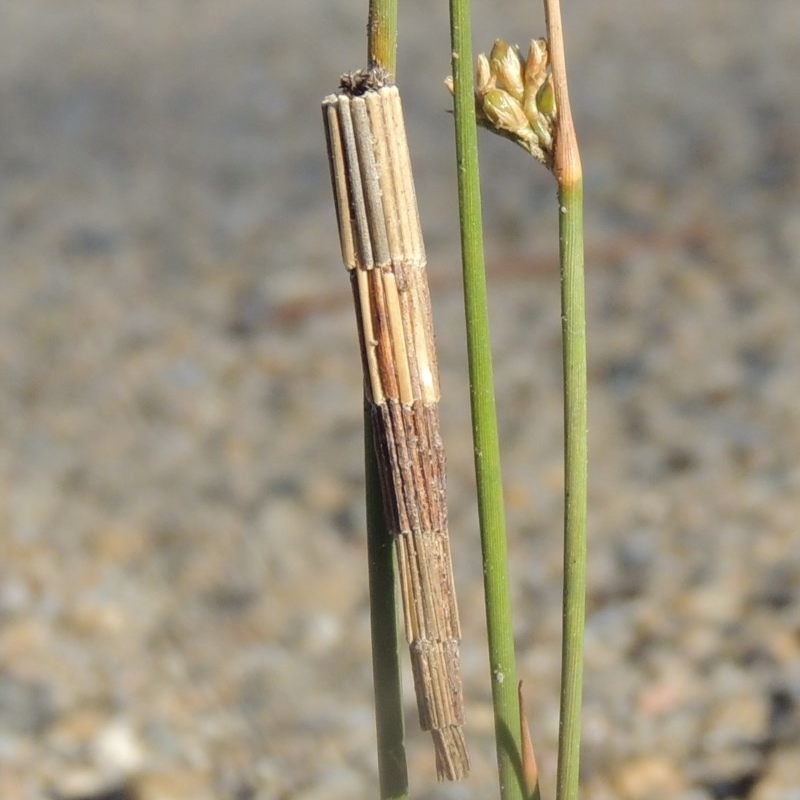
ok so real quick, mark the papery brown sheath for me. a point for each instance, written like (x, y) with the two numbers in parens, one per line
(382, 247)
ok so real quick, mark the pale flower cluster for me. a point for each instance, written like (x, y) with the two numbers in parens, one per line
(514, 97)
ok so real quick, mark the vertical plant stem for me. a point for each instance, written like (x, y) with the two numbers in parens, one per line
(568, 171)
(382, 34)
(575, 455)
(484, 416)
(392, 768)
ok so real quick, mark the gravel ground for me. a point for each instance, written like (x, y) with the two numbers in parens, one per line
(183, 607)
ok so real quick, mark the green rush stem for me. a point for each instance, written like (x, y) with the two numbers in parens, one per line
(484, 416)
(575, 499)
(382, 34)
(569, 176)
(392, 767)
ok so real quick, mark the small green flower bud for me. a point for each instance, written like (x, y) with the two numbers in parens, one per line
(530, 106)
(484, 81)
(546, 98)
(543, 133)
(505, 113)
(506, 67)
(535, 69)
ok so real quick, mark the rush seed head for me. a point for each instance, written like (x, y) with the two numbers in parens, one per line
(514, 96)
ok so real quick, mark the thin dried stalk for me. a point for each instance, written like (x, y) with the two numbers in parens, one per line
(383, 250)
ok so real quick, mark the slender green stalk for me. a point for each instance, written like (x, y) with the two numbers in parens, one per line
(569, 175)
(382, 34)
(484, 416)
(575, 476)
(392, 769)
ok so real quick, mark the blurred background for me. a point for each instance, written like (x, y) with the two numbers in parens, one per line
(183, 601)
